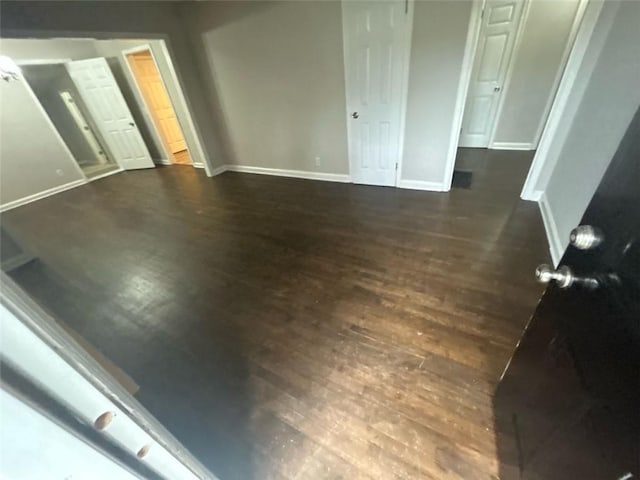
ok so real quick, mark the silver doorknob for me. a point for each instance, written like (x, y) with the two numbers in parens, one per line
(586, 237)
(355, 114)
(496, 89)
(563, 276)
(132, 124)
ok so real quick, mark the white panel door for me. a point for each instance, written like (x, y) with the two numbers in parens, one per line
(500, 22)
(376, 49)
(110, 112)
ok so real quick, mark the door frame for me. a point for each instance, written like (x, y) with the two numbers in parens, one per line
(471, 45)
(167, 160)
(147, 111)
(410, 6)
(45, 352)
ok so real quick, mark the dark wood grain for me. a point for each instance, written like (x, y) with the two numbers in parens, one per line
(286, 328)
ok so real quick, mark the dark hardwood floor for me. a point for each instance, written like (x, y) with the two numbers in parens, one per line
(286, 328)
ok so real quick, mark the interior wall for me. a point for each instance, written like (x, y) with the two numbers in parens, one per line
(46, 163)
(47, 81)
(276, 81)
(537, 63)
(604, 109)
(437, 50)
(122, 20)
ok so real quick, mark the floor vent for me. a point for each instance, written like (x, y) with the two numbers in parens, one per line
(462, 179)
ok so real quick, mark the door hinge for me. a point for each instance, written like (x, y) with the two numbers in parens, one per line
(396, 166)
(482, 13)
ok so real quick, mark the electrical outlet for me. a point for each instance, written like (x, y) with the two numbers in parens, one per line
(317, 159)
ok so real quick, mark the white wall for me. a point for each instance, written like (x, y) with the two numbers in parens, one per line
(47, 81)
(437, 50)
(537, 64)
(33, 157)
(276, 81)
(601, 109)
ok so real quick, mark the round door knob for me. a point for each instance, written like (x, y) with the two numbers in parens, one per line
(562, 276)
(355, 114)
(586, 237)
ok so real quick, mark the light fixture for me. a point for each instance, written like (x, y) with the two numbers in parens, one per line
(8, 69)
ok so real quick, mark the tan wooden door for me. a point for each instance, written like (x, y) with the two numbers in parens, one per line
(157, 100)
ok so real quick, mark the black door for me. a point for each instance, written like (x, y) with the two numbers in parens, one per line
(568, 406)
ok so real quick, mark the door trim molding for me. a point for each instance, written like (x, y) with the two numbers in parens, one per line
(567, 85)
(404, 93)
(405, 90)
(471, 45)
(191, 125)
(556, 247)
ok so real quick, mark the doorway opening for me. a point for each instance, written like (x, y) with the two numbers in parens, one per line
(152, 88)
(517, 51)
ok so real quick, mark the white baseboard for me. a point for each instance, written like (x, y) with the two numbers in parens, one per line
(198, 165)
(112, 172)
(43, 194)
(555, 243)
(16, 261)
(328, 177)
(420, 185)
(218, 170)
(511, 146)
(162, 161)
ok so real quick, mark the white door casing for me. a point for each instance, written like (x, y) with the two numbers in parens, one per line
(110, 112)
(377, 40)
(500, 23)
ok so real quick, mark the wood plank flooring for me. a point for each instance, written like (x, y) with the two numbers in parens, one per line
(292, 329)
